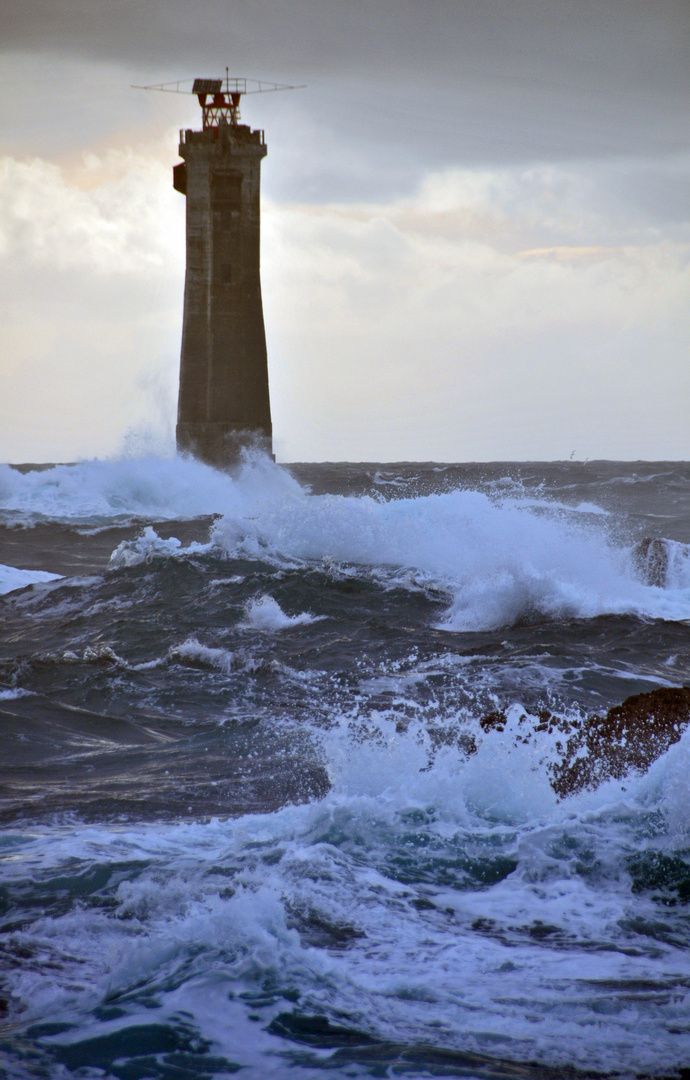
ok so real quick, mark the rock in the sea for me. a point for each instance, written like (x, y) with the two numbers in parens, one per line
(652, 559)
(628, 739)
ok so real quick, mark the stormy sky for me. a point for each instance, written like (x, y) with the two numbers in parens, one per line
(475, 224)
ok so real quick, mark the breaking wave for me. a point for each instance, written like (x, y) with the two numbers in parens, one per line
(11, 578)
(425, 909)
(499, 559)
(265, 613)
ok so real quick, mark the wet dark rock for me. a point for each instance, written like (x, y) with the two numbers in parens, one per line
(628, 739)
(320, 932)
(652, 558)
(317, 1031)
(493, 721)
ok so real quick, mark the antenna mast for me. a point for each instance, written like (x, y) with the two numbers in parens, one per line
(219, 98)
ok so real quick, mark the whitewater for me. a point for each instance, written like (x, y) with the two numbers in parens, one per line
(283, 760)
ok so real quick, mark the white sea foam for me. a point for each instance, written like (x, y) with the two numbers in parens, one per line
(192, 652)
(206, 915)
(145, 548)
(11, 578)
(265, 613)
(678, 565)
(98, 492)
(499, 560)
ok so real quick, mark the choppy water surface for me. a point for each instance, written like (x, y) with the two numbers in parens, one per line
(255, 820)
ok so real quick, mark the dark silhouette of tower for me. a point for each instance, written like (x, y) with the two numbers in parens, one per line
(223, 400)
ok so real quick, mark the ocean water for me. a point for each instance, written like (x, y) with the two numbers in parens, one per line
(279, 771)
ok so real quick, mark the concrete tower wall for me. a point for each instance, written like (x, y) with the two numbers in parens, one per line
(224, 398)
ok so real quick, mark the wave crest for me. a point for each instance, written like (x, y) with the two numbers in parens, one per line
(498, 558)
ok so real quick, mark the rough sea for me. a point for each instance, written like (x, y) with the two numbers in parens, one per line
(319, 771)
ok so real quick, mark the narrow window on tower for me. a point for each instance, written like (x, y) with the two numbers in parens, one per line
(226, 274)
(227, 189)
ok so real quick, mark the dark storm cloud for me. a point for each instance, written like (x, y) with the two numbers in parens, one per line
(434, 82)
(596, 43)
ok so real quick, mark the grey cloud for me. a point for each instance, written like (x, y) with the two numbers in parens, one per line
(432, 83)
(595, 43)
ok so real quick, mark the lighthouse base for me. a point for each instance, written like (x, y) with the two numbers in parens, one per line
(219, 443)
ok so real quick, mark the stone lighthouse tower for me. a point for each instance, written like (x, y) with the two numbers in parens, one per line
(223, 400)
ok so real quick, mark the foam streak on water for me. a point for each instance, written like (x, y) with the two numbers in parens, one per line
(254, 814)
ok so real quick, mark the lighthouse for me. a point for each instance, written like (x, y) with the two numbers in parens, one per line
(223, 400)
